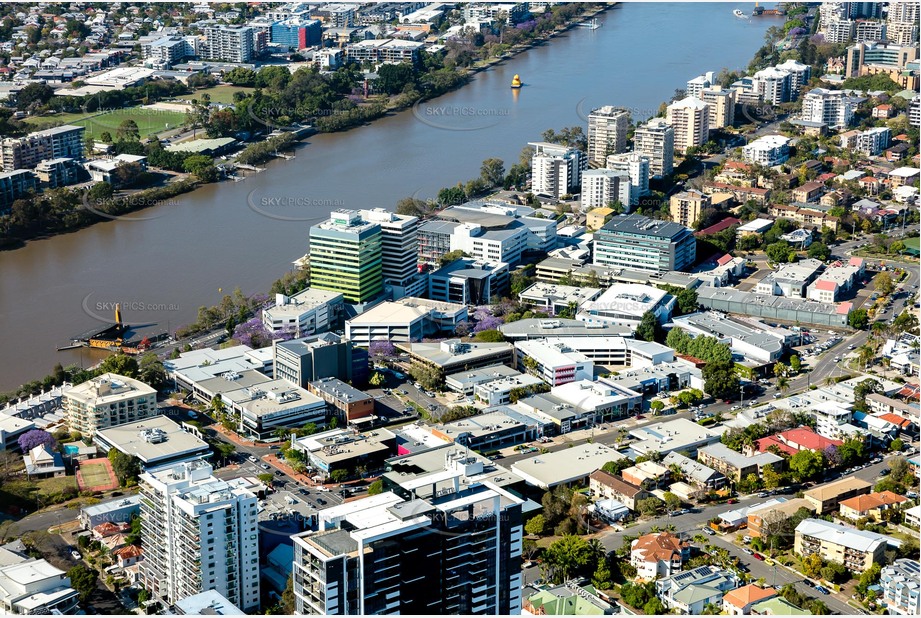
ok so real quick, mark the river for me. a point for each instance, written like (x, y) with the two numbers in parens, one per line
(175, 257)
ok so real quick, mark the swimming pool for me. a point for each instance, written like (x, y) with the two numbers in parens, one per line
(71, 449)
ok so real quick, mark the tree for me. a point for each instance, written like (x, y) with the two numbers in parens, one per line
(884, 284)
(36, 437)
(819, 251)
(266, 478)
(772, 479)
(127, 468)
(654, 607)
(340, 474)
(778, 252)
(896, 445)
(127, 131)
(492, 172)
(83, 580)
(37, 93)
(672, 502)
(656, 406)
(393, 78)
(648, 328)
(617, 466)
(536, 525)
(375, 488)
(807, 465)
(568, 556)
(377, 379)
(649, 506)
(720, 379)
(812, 565)
(202, 166)
(858, 319)
(795, 363)
(864, 388)
(120, 364)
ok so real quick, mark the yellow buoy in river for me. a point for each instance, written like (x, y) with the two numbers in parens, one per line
(516, 81)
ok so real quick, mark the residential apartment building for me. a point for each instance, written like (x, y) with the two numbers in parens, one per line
(556, 170)
(655, 140)
(165, 51)
(554, 364)
(799, 75)
(808, 218)
(603, 187)
(107, 400)
(17, 153)
(306, 313)
(685, 207)
(870, 30)
(606, 486)
(688, 592)
(768, 150)
(607, 132)
(637, 167)
(641, 243)
(902, 22)
(735, 465)
(399, 244)
(229, 43)
(873, 142)
(384, 50)
(721, 105)
(199, 533)
(440, 544)
(14, 185)
(773, 84)
(840, 31)
(827, 498)
(871, 506)
(834, 108)
(700, 83)
(55, 173)
(901, 584)
(690, 118)
(345, 256)
(856, 549)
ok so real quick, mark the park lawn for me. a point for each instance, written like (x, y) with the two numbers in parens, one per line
(54, 120)
(35, 493)
(218, 94)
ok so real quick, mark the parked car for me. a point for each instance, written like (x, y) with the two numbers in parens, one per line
(709, 531)
(732, 501)
(757, 556)
(822, 589)
(748, 551)
(76, 555)
(264, 466)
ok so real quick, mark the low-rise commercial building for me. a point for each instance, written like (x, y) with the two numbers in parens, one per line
(156, 442)
(606, 401)
(308, 359)
(758, 346)
(118, 511)
(453, 355)
(469, 282)
(466, 382)
(552, 298)
(408, 319)
(625, 304)
(306, 313)
(782, 308)
(681, 435)
(790, 279)
(347, 449)
(554, 363)
(343, 400)
(565, 467)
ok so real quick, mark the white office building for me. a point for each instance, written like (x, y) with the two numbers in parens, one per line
(625, 303)
(553, 362)
(656, 141)
(199, 533)
(602, 187)
(607, 132)
(637, 167)
(307, 312)
(768, 150)
(399, 244)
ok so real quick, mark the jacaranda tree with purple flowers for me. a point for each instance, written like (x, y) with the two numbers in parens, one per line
(378, 349)
(36, 437)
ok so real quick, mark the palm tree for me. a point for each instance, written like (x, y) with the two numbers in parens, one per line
(597, 550)
(783, 384)
(677, 472)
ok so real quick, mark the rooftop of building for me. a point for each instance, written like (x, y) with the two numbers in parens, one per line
(838, 534)
(453, 351)
(874, 500)
(339, 390)
(559, 293)
(738, 460)
(674, 435)
(550, 469)
(639, 225)
(721, 326)
(658, 546)
(832, 490)
(484, 374)
(560, 327)
(405, 311)
(152, 440)
(616, 483)
(778, 303)
(344, 444)
(108, 388)
(209, 602)
(626, 298)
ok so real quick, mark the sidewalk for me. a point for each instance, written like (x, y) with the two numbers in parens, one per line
(236, 439)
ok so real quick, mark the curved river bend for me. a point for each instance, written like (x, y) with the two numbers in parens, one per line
(246, 234)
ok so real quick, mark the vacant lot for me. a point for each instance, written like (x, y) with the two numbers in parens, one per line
(218, 94)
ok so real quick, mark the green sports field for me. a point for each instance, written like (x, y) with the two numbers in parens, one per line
(148, 120)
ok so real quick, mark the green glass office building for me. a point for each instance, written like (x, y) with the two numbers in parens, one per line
(345, 256)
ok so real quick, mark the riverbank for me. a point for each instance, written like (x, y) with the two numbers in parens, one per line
(178, 258)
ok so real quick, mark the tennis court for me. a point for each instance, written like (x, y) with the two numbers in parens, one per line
(96, 475)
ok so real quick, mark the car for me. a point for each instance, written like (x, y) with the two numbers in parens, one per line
(748, 551)
(404, 392)
(399, 376)
(810, 583)
(757, 556)
(253, 459)
(777, 395)
(746, 539)
(264, 466)
(911, 494)
(732, 501)
(709, 532)
(768, 562)
(321, 501)
(303, 492)
(76, 555)
(279, 473)
(822, 589)
(761, 494)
